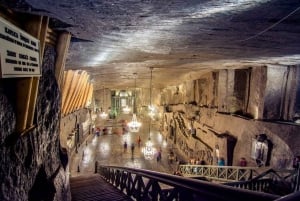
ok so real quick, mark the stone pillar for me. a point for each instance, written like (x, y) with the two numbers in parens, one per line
(226, 90)
(258, 81)
(275, 92)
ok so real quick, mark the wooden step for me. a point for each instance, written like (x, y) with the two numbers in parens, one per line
(94, 188)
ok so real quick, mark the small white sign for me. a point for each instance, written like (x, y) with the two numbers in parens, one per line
(19, 52)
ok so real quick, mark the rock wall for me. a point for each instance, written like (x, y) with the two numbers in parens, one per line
(68, 126)
(257, 89)
(32, 166)
(219, 131)
(282, 89)
(213, 130)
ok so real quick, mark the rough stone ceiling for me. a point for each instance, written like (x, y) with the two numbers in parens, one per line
(181, 39)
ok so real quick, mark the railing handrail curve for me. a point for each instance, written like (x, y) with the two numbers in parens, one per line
(207, 189)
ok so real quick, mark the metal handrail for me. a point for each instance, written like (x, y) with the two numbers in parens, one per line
(219, 173)
(264, 181)
(261, 185)
(290, 197)
(144, 185)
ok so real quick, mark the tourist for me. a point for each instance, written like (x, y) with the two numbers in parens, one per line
(158, 157)
(221, 162)
(139, 141)
(125, 146)
(243, 162)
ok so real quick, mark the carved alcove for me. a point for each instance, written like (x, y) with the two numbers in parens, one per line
(261, 150)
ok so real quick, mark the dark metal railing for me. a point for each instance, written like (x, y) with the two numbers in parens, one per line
(144, 185)
(271, 181)
(261, 185)
(290, 197)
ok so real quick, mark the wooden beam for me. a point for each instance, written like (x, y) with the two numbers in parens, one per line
(24, 85)
(42, 25)
(32, 101)
(81, 92)
(70, 92)
(68, 76)
(90, 94)
(27, 88)
(62, 50)
(43, 36)
(75, 92)
(84, 94)
(75, 98)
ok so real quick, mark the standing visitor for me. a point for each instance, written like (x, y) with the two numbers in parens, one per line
(243, 162)
(132, 148)
(139, 141)
(221, 162)
(125, 146)
(158, 157)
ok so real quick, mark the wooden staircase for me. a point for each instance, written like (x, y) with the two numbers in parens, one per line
(94, 188)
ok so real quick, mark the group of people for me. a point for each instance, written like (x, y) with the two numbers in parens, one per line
(242, 162)
(98, 131)
(197, 162)
(125, 145)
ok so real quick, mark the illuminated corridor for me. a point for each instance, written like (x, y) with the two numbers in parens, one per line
(108, 149)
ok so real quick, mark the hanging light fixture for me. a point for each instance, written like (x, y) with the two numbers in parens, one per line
(103, 114)
(151, 107)
(126, 109)
(124, 100)
(134, 125)
(149, 149)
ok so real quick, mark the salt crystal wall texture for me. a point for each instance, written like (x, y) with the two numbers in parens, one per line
(31, 165)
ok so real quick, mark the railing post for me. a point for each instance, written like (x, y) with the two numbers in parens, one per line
(96, 166)
(251, 174)
(297, 178)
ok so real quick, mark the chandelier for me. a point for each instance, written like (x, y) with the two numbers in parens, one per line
(149, 149)
(134, 125)
(103, 114)
(126, 109)
(151, 107)
(124, 95)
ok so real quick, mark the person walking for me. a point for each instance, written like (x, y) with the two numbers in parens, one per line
(221, 162)
(125, 146)
(243, 162)
(139, 141)
(132, 150)
(158, 157)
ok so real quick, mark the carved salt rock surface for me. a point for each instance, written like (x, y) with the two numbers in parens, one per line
(23, 156)
(49, 107)
(67, 126)
(178, 36)
(273, 92)
(283, 137)
(7, 118)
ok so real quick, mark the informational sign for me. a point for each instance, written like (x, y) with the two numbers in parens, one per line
(19, 52)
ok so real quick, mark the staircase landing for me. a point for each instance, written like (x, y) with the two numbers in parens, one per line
(94, 188)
